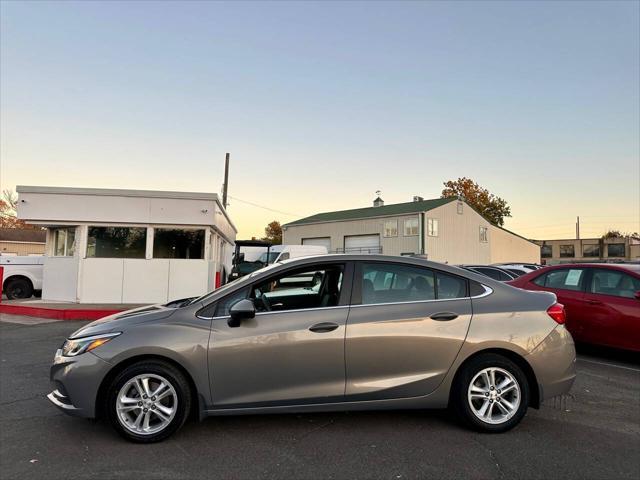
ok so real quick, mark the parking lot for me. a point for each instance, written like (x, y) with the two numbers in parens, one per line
(593, 433)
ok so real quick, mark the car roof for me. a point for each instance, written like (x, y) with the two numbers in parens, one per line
(408, 260)
(632, 267)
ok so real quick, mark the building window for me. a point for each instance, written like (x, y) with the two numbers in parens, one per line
(484, 234)
(567, 251)
(546, 251)
(117, 242)
(391, 228)
(615, 250)
(177, 243)
(64, 241)
(460, 207)
(591, 250)
(432, 227)
(410, 227)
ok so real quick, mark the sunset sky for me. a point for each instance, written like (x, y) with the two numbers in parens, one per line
(322, 104)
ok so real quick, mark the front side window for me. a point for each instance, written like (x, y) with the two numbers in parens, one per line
(313, 288)
(391, 283)
(591, 250)
(484, 234)
(224, 306)
(117, 242)
(546, 251)
(391, 228)
(64, 242)
(432, 227)
(177, 243)
(410, 227)
(567, 251)
(564, 279)
(615, 250)
(615, 283)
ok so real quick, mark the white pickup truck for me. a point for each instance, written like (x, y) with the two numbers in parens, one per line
(22, 276)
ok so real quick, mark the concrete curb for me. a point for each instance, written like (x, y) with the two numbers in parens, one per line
(57, 314)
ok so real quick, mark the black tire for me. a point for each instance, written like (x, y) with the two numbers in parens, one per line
(460, 400)
(17, 288)
(150, 367)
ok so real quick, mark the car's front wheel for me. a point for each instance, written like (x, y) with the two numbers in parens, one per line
(148, 401)
(491, 393)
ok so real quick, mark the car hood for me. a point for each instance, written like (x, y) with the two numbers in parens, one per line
(122, 320)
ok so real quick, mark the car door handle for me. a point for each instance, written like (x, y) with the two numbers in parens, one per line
(323, 327)
(444, 316)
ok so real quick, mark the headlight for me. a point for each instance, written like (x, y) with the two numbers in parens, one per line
(74, 347)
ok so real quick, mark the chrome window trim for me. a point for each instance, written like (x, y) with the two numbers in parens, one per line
(487, 291)
(279, 311)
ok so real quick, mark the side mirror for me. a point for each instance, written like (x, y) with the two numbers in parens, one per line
(243, 310)
(637, 295)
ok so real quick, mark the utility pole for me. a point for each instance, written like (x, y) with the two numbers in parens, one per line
(578, 228)
(225, 185)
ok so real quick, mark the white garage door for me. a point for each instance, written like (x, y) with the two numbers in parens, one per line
(320, 241)
(362, 244)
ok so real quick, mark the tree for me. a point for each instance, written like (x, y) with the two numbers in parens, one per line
(618, 234)
(8, 216)
(273, 233)
(492, 208)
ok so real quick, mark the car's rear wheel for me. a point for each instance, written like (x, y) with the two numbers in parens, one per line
(16, 288)
(148, 401)
(491, 393)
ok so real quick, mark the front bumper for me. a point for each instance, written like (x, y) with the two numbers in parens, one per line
(76, 381)
(554, 363)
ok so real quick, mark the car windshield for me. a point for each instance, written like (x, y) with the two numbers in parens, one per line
(271, 257)
(231, 284)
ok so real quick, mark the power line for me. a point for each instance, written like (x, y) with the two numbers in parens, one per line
(265, 208)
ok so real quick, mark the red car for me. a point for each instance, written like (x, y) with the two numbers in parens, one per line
(602, 301)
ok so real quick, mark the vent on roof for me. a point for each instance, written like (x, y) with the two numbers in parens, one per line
(378, 202)
(416, 198)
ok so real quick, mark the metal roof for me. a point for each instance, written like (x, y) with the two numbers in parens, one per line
(373, 212)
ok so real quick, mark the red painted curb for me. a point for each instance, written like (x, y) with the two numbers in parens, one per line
(56, 314)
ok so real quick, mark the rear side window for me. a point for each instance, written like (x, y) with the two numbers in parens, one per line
(612, 282)
(450, 286)
(388, 283)
(564, 279)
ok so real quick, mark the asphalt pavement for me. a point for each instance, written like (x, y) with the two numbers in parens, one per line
(592, 433)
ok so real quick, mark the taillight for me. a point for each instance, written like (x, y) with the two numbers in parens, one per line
(556, 311)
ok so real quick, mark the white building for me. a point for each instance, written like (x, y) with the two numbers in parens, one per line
(443, 229)
(129, 246)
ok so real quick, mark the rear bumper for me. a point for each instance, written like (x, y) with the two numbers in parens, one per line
(554, 363)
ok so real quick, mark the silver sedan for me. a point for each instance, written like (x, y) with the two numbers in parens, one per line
(336, 332)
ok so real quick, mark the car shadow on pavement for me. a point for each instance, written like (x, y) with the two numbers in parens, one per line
(606, 354)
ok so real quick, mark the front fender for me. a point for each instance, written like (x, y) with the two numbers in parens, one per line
(186, 344)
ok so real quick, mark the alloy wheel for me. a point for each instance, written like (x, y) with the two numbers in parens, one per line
(146, 404)
(494, 395)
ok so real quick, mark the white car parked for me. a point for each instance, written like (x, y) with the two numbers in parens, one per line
(279, 253)
(22, 276)
(518, 269)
